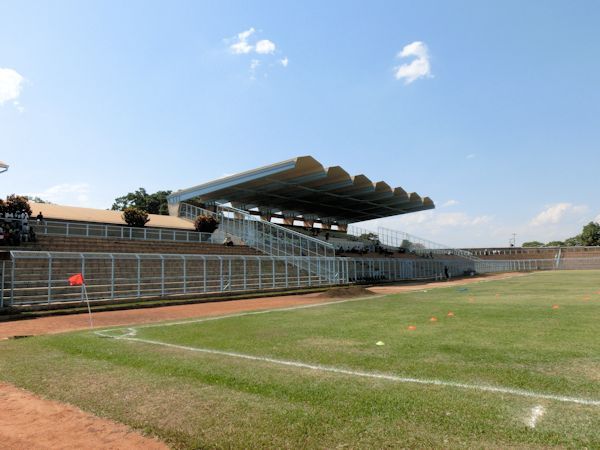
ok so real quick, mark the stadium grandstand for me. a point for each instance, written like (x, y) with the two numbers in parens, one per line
(290, 225)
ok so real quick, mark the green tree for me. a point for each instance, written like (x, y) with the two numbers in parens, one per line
(573, 241)
(533, 244)
(155, 203)
(17, 204)
(37, 199)
(135, 217)
(555, 244)
(590, 235)
(205, 224)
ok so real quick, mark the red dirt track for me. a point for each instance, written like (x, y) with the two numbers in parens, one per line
(28, 421)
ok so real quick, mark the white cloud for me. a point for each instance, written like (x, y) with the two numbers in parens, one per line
(264, 51)
(433, 221)
(597, 219)
(558, 212)
(65, 193)
(471, 155)
(418, 67)
(241, 47)
(254, 64)
(265, 47)
(450, 203)
(11, 83)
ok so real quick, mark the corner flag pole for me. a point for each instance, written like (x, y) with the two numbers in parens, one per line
(77, 280)
(87, 300)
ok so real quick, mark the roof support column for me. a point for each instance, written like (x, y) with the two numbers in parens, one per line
(289, 217)
(309, 220)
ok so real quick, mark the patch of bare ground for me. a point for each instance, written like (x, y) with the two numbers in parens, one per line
(346, 292)
(28, 422)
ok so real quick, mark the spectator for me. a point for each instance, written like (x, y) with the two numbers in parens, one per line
(40, 218)
(25, 228)
(446, 273)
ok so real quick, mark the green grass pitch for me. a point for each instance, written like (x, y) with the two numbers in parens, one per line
(503, 334)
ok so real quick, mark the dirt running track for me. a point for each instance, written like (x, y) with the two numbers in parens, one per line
(28, 421)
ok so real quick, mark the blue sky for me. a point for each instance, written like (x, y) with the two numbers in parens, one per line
(495, 117)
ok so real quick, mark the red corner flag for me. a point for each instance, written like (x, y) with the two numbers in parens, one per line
(76, 280)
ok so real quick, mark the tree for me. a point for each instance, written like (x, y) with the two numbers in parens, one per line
(555, 244)
(135, 217)
(17, 204)
(573, 241)
(155, 203)
(533, 244)
(205, 224)
(37, 199)
(590, 235)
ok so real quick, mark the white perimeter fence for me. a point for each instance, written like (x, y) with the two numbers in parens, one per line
(42, 277)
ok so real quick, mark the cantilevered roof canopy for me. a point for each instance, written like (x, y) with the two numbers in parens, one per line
(303, 187)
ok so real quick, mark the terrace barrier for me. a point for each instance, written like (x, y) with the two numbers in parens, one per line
(82, 229)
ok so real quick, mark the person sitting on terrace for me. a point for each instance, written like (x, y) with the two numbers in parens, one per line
(228, 242)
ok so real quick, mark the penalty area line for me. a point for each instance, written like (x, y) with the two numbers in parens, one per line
(372, 375)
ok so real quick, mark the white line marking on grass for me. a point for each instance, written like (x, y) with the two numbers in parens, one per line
(536, 413)
(380, 376)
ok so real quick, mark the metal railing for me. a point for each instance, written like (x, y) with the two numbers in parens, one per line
(42, 277)
(394, 240)
(95, 230)
(395, 269)
(269, 238)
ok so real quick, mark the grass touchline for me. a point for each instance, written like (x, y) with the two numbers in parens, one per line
(432, 382)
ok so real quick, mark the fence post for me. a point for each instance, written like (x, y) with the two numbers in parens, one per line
(273, 269)
(112, 276)
(2, 286)
(162, 276)
(220, 274)
(12, 282)
(82, 272)
(245, 280)
(286, 272)
(259, 273)
(319, 271)
(184, 274)
(49, 277)
(204, 271)
(139, 272)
